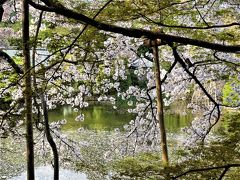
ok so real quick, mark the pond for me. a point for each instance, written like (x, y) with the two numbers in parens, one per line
(104, 117)
(46, 173)
(97, 118)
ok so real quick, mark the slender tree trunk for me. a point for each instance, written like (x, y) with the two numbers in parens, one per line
(50, 139)
(160, 107)
(34, 50)
(28, 92)
(44, 105)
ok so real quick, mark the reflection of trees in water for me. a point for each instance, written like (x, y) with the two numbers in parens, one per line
(97, 114)
(177, 116)
(103, 117)
(97, 117)
(174, 122)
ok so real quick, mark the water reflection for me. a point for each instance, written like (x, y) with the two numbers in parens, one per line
(97, 117)
(46, 173)
(174, 122)
(104, 117)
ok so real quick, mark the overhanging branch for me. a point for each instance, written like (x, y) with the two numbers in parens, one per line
(207, 169)
(11, 62)
(131, 32)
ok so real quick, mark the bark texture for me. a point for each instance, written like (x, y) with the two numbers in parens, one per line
(160, 114)
(50, 139)
(28, 92)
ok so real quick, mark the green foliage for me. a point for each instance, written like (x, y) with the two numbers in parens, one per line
(18, 60)
(142, 50)
(225, 150)
(9, 76)
(132, 80)
(230, 126)
(165, 65)
(139, 165)
(13, 77)
(17, 42)
(231, 94)
(59, 32)
(15, 26)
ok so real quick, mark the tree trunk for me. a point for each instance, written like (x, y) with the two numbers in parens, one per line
(28, 92)
(50, 139)
(44, 105)
(163, 137)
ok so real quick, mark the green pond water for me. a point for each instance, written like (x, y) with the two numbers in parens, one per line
(104, 117)
(98, 118)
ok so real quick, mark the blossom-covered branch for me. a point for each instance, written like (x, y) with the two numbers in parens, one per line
(131, 32)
